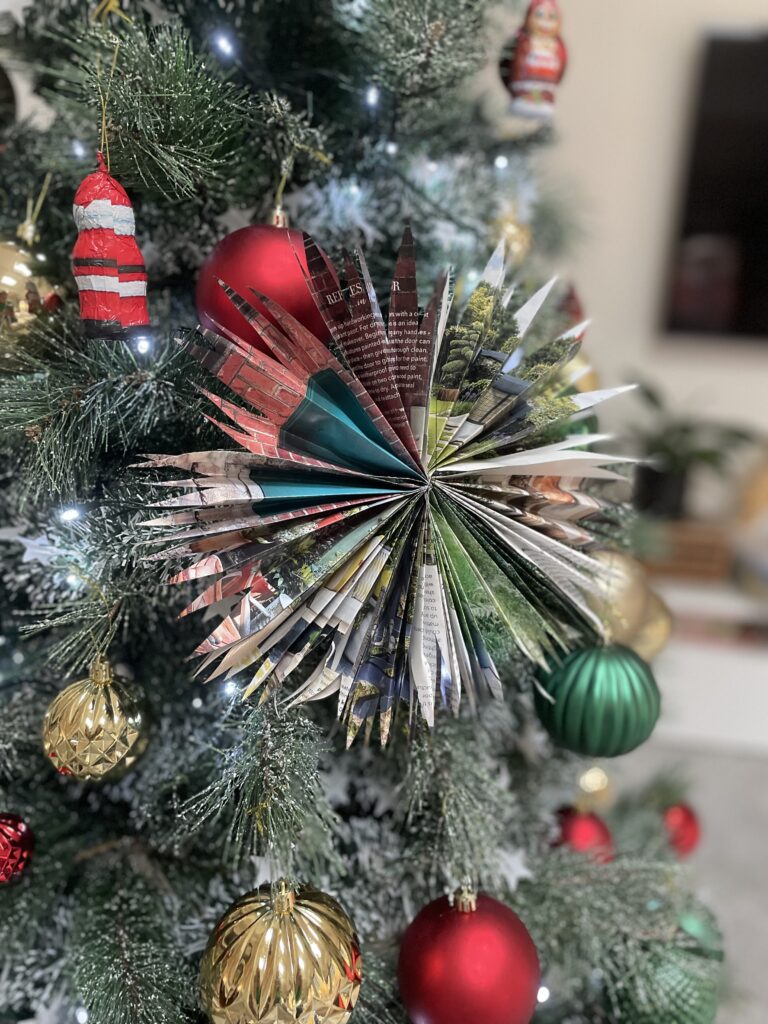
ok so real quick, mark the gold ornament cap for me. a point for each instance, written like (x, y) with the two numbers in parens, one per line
(466, 899)
(278, 217)
(283, 897)
(100, 671)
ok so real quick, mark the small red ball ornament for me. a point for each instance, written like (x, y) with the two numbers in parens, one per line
(683, 828)
(469, 961)
(587, 833)
(16, 845)
(268, 258)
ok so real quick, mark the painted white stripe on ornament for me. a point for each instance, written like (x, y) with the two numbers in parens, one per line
(96, 283)
(127, 288)
(125, 223)
(101, 213)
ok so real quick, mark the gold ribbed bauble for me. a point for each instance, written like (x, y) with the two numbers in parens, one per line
(95, 727)
(23, 290)
(655, 629)
(281, 955)
(622, 595)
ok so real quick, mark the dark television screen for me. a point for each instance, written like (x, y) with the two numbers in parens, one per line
(718, 279)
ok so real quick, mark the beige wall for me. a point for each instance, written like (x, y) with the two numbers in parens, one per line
(622, 120)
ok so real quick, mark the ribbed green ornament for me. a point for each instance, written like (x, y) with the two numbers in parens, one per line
(605, 702)
(679, 987)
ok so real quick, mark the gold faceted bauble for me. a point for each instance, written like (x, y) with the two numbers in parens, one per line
(23, 291)
(281, 955)
(655, 629)
(95, 727)
(622, 595)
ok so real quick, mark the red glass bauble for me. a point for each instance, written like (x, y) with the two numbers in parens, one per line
(585, 833)
(16, 845)
(460, 966)
(267, 258)
(683, 828)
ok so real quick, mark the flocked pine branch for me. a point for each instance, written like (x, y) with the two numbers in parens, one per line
(266, 793)
(124, 963)
(455, 809)
(73, 402)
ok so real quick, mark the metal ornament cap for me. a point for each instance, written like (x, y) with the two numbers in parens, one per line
(282, 955)
(96, 727)
(604, 701)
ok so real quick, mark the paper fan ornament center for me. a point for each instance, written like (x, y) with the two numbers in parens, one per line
(405, 503)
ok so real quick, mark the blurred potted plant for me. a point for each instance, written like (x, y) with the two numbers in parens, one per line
(674, 446)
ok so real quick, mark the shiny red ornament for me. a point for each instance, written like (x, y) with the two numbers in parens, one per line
(17, 842)
(587, 833)
(464, 966)
(265, 257)
(683, 828)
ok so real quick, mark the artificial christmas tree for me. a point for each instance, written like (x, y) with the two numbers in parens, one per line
(397, 500)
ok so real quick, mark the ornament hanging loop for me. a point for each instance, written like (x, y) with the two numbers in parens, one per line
(27, 230)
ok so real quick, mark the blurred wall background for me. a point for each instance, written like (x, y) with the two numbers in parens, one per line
(623, 124)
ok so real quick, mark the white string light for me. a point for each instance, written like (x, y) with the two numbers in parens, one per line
(372, 96)
(501, 162)
(543, 994)
(391, 148)
(143, 344)
(69, 515)
(78, 149)
(224, 44)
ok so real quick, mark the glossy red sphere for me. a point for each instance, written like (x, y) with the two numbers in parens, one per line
(16, 845)
(264, 257)
(473, 967)
(683, 828)
(585, 833)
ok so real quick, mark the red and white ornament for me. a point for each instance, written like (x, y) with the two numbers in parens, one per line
(106, 260)
(16, 845)
(534, 63)
(683, 828)
(585, 832)
(466, 961)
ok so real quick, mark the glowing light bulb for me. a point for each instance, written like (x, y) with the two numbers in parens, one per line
(81, 1015)
(594, 780)
(230, 687)
(354, 190)
(223, 44)
(197, 703)
(78, 150)
(391, 148)
(143, 345)
(501, 162)
(69, 515)
(372, 96)
(543, 994)
(7, 280)
(23, 269)
(17, 658)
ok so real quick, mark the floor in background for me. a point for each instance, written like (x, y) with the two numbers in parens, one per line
(730, 793)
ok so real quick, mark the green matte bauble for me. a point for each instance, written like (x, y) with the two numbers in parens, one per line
(605, 702)
(680, 987)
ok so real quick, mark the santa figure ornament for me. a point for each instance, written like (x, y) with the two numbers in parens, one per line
(533, 64)
(106, 261)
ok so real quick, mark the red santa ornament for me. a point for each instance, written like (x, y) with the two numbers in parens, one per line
(106, 261)
(533, 64)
